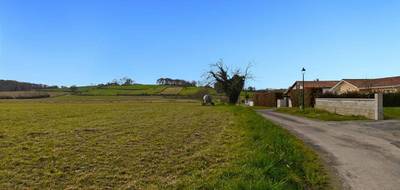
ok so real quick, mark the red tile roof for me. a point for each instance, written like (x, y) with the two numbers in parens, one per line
(374, 83)
(318, 84)
(313, 84)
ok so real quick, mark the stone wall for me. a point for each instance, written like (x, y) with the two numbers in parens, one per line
(370, 108)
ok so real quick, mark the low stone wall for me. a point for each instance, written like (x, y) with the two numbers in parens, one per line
(370, 108)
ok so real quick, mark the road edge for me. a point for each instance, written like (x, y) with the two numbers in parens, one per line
(328, 160)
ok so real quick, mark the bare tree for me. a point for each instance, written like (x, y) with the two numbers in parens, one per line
(230, 82)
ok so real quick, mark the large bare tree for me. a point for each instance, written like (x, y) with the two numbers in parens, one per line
(231, 82)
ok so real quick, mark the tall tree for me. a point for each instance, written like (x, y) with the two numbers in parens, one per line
(230, 82)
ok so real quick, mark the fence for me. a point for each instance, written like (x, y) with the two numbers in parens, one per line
(371, 108)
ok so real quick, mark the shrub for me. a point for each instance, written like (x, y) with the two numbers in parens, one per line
(346, 95)
(391, 100)
(309, 97)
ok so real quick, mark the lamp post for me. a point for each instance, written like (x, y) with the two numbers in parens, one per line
(302, 94)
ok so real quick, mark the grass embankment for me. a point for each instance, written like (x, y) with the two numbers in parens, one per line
(107, 142)
(323, 115)
(392, 112)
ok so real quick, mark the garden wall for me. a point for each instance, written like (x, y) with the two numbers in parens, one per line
(371, 108)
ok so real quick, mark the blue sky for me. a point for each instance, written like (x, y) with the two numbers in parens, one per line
(80, 42)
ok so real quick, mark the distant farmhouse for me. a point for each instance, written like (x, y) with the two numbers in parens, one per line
(324, 86)
(382, 85)
(312, 88)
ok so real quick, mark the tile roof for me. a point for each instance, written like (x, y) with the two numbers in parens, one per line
(374, 83)
(314, 84)
(318, 84)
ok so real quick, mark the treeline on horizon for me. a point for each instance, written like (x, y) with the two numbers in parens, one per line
(13, 85)
(125, 81)
(175, 82)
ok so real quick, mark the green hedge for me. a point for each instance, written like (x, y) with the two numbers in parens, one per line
(346, 95)
(391, 100)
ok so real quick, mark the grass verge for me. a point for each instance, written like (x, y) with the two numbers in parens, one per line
(269, 158)
(323, 115)
(392, 112)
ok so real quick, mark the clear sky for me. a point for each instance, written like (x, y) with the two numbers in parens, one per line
(66, 42)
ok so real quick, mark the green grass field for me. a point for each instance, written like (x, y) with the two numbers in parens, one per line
(171, 91)
(95, 142)
(122, 90)
(392, 112)
(138, 90)
(190, 91)
(313, 113)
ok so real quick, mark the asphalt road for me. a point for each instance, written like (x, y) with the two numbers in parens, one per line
(362, 154)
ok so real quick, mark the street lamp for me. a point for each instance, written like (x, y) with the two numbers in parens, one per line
(302, 103)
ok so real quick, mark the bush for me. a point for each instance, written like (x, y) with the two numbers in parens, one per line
(391, 100)
(346, 95)
(309, 97)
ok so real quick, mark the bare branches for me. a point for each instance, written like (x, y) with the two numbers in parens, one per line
(230, 82)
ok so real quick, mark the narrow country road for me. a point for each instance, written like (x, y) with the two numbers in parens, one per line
(363, 154)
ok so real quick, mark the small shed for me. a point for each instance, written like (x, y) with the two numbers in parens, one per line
(267, 99)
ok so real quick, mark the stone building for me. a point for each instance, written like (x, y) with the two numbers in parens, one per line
(380, 85)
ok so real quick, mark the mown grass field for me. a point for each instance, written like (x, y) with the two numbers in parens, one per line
(77, 142)
(323, 115)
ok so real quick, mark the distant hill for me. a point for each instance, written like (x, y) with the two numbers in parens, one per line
(143, 90)
(12, 85)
